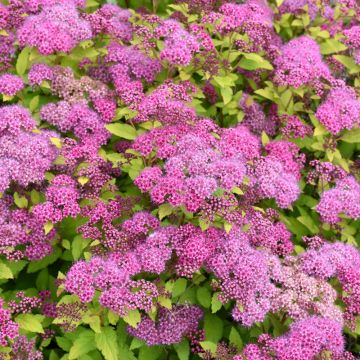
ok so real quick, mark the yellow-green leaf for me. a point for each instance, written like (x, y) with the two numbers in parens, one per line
(124, 131)
(133, 318)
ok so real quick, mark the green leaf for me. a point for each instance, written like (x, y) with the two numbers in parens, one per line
(48, 227)
(227, 227)
(23, 61)
(20, 201)
(209, 346)
(133, 318)
(254, 61)
(165, 302)
(351, 136)
(78, 245)
(165, 210)
(46, 261)
(331, 46)
(149, 353)
(106, 342)
(63, 343)
(213, 326)
(204, 297)
(349, 63)
(124, 131)
(30, 322)
(179, 287)
(5, 272)
(93, 321)
(83, 344)
(183, 350)
(226, 94)
(235, 339)
(216, 304)
(264, 138)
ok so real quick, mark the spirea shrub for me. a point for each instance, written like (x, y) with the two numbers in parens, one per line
(179, 179)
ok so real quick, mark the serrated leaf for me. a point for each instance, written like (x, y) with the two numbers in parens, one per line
(150, 353)
(216, 304)
(179, 287)
(165, 302)
(264, 138)
(235, 339)
(20, 201)
(209, 346)
(226, 94)
(227, 227)
(183, 350)
(237, 190)
(30, 322)
(165, 210)
(106, 342)
(124, 131)
(254, 61)
(83, 344)
(23, 61)
(133, 318)
(204, 297)
(331, 46)
(351, 136)
(48, 227)
(213, 326)
(5, 272)
(63, 343)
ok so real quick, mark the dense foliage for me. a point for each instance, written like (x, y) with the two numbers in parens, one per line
(179, 180)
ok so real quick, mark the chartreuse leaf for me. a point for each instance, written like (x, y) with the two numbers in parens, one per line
(106, 342)
(235, 339)
(254, 61)
(204, 297)
(124, 131)
(179, 287)
(5, 272)
(213, 326)
(150, 353)
(132, 318)
(351, 136)
(30, 322)
(83, 344)
(183, 350)
(226, 93)
(165, 210)
(216, 304)
(331, 46)
(20, 201)
(23, 61)
(209, 346)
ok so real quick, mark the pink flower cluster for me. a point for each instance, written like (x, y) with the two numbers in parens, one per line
(118, 292)
(22, 234)
(243, 275)
(270, 180)
(10, 84)
(179, 45)
(253, 18)
(61, 200)
(255, 118)
(306, 339)
(112, 20)
(344, 199)
(56, 28)
(170, 327)
(340, 110)
(25, 156)
(300, 63)
(9, 329)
